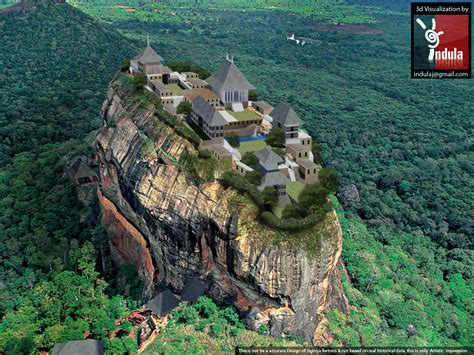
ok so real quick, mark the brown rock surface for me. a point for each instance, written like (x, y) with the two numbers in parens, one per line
(172, 230)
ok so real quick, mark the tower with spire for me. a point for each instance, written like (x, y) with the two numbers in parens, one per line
(230, 85)
(148, 62)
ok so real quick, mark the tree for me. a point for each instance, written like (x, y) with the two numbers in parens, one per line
(328, 179)
(253, 95)
(253, 177)
(292, 211)
(205, 154)
(317, 150)
(233, 139)
(276, 138)
(270, 197)
(125, 66)
(313, 196)
(184, 108)
(250, 159)
(139, 81)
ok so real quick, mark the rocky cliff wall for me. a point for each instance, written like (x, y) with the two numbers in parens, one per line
(173, 230)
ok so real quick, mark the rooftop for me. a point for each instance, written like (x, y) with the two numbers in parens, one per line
(210, 115)
(196, 81)
(163, 303)
(285, 115)
(220, 150)
(81, 170)
(245, 115)
(149, 56)
(193, 289)
(263, 104)
(308, 164)
(204, 93)
(273, 178)
(158, 84)
(268, 159)
(228, 77)
(299, 147)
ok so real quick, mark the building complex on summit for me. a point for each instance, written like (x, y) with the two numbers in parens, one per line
(220, 106)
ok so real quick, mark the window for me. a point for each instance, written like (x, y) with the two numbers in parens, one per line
(305, 154)
(315, 171)
(299, 155)
(309, 171)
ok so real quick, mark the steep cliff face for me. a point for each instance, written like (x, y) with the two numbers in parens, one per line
(173, 230)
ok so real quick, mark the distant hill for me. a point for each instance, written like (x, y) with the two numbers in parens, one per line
(55, 67)
(56, 64)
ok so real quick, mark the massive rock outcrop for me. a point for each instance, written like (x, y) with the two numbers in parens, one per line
(173, 230)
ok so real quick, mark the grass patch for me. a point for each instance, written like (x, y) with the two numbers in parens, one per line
(251, 146)
(278, 211)
(245, 115)
(177, 90)
(294, 189)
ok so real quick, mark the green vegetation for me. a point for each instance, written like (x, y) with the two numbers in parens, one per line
(294, 189)
(148, 148)
(253, 95)
(266, 202)
(50, 95)
(249, 159)
(49, 247)
(175, 88)
(328, 179)
(184, 108)
(36, 100)
(188, 67)
(317, 150)
(6, 3)
(125, 66)
(251, 146)
(276, 138)
(233, 139)
(204, 328)
(341, 11)
(393, 297)
(139, 81)
(245, 115)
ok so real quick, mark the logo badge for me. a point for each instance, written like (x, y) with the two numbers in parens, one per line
(441, 40)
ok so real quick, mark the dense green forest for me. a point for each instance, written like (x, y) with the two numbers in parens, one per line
(56, 64)
(407, 146)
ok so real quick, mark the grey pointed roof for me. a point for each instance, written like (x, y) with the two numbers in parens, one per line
(208, 113)
(229, 77)
(285, 115)
(268, 159)
(163, 303)
(193, 289)
(149, 56)
(81, 170)
(272, 178)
